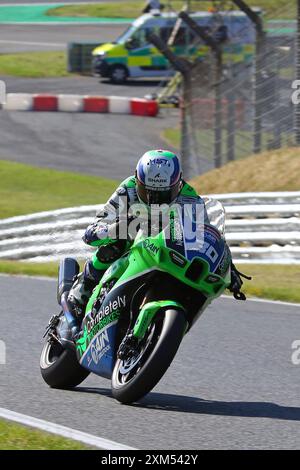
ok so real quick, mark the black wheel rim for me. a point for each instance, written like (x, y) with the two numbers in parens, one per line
(127, 369)
(119, 74)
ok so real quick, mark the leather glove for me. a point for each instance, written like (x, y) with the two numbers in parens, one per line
(236, 283)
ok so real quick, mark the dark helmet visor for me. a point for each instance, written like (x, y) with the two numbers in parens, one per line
(158, 196)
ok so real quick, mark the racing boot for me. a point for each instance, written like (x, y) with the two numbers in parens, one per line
(93, 271)
(82, 289)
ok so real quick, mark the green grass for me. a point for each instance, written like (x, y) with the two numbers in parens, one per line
(276, 170)
(243, 141)
(17, 437)
(25, 189)
(29, 269)
(105, 10)
(34, 64)
(274, 282)
(274, 9)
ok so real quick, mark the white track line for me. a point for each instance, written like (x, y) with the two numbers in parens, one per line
(265, 301)
(50, 44)
(63, 431)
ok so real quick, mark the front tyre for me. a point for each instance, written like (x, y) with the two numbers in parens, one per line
(135, 376)
(59, 367)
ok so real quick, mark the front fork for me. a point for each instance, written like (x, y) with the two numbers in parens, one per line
(144, 319)
(147, 314)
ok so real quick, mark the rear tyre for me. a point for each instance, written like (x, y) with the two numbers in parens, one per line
(134, 377)
(118, 74)
(59, 367)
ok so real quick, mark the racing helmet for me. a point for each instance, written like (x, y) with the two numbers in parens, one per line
(158, 177)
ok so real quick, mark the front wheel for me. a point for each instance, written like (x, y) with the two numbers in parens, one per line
(118, 74)
(59, 367)
(136, 375)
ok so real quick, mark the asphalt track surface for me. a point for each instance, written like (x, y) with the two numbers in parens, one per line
(110, 144)
(22, 38)
(99, 144)
(232, 384)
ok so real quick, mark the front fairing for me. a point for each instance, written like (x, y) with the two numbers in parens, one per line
(202, 263)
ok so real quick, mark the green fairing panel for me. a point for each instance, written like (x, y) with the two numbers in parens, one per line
(147, 314)
(114, 271)
(188, 190)
(102, 242)
(152, 253)
(128, 182)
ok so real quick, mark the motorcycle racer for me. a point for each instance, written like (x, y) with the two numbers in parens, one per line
(157, 181)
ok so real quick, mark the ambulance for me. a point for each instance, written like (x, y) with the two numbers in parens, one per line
(132, 56)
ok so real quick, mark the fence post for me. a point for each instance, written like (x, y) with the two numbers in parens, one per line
(259, 57)
(184, 67)
(218, 108)
(230, 119)
(216, 48)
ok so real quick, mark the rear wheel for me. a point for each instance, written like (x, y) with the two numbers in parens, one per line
(118, 74)
(136, 375)
(59, 366)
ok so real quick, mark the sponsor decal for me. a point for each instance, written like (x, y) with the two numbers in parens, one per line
(103, 318)
(177, 259)
(160, 161)
(157, 180)
(105, 311)
(100, 346)
(150, 246)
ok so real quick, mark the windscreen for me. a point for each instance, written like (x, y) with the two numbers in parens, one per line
(199, 240)
(126, 35)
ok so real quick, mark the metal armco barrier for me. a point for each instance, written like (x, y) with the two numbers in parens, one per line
(260, 228)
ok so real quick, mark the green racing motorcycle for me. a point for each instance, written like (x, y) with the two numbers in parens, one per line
(139, 313)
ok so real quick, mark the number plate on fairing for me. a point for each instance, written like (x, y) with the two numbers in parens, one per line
(211, 248)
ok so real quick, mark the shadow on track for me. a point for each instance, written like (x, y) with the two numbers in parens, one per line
(104, 392)
(186, 404)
